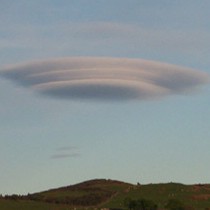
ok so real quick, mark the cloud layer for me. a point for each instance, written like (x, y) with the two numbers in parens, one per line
(103, 78)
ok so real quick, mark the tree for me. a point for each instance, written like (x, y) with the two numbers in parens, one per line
(174, 204)
(144, 204)
(140, 204)
(130, 203)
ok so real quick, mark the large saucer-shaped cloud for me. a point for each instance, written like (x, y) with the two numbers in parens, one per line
(103, 78)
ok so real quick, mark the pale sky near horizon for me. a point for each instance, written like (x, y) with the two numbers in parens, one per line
(50, 140)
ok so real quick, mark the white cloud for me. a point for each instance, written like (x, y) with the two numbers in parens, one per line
(103, 78)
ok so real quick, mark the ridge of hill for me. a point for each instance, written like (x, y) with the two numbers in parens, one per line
(88, 193)
(111, 194)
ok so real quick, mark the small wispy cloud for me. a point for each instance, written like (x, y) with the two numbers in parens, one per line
(59, 156)
(104, 78)
(66, 152)
(67, 148)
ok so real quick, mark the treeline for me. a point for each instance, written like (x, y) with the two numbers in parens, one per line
(90, 199)
(146, 204)
(13, 197)
(94, 199)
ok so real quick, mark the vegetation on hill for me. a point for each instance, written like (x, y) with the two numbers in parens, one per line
(89, 193)
(102, 193)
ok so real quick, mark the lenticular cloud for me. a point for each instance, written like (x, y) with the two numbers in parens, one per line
(101, 78)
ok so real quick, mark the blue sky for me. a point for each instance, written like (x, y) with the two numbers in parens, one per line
(49, 142)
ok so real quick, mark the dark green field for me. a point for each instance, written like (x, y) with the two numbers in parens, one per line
(103, 193)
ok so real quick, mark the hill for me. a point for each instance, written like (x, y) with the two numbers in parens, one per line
(89, 193)
(102, 193)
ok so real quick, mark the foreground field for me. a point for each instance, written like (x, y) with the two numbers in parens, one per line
(30, 205)
(98, 194)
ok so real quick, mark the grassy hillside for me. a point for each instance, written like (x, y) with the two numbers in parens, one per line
(90, 193)
(196, 196)
(103, 193)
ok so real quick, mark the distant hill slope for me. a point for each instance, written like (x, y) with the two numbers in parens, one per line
(102, 193)
(192, 196)
(89, 193)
